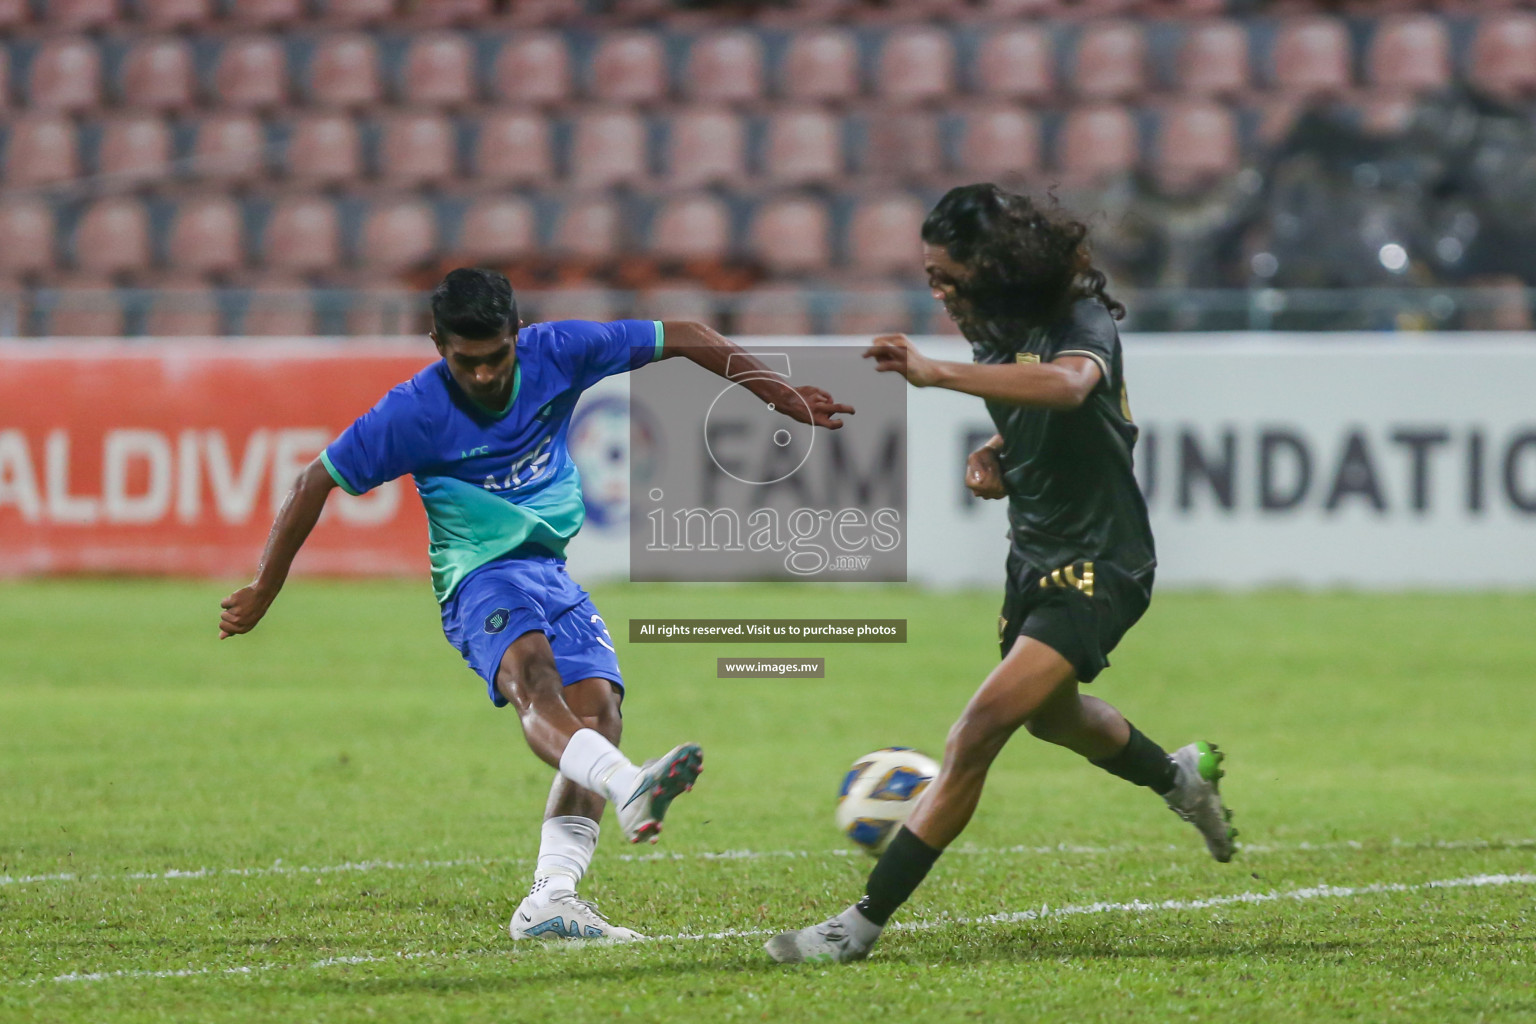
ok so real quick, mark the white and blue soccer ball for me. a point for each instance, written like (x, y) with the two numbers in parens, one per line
(878, 794)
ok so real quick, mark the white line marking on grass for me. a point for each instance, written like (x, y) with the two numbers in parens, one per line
(1015, 917)
(279, 868)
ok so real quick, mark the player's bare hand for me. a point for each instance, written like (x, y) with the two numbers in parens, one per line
(984, 473)
(895, 353)
(242, 610)
(816, 403)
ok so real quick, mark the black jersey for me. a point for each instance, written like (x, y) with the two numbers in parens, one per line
(1072, 494)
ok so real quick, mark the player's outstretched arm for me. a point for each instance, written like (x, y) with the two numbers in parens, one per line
(723, 357)
(1063, 384)
(301, 509)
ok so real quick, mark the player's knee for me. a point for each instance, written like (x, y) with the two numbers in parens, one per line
(526, 678)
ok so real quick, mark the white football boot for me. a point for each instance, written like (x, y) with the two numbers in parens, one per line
(848, 936)
(661, 781)
(1196, 799)
(564, 915)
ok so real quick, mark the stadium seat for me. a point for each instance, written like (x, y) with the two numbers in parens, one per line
(692, 228)
(917, 65)
(870, 309)
(417, 149)
(608, 148)
(113, 237)
(545, 12)
(1111, 60)
(157, 75)
(1016, 62)
(80, 14)
(302, 235)
(230, 148)
(901, 143)
(498, 228)
(1019, 8)
(397, 236)
(324, 149)
(1197, 145)
(574, 302)
(386, 311)
(439, 70)
(792, 236)
(999, 143)
(680, 300)
(819, 65)
(773, 310)
(803, 147)
(357, 12)
(207, 236)
(885, 236)
(533, 68)
(279, 308)
(13, 14)
(344, 72)
(1503, 55)
(705, 147)
(175, 13)
(1312, 57)
(1410, 55)
(5, 78)
(1213, 59)
(65, 75)
(264, 13)
(184, 309)
(514, 149)
(725, 67)
(1096, 142)
(590, 228)
(134, 147)
(42, 150)
(1385, 113)
(451, 12)
(628, 67)
(251, 73)
(27, 229)
(85, 308)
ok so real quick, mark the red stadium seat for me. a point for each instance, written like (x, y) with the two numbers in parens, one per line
(417, 149)
(157, 75)
(870, 309)
(999, 143)
(1312, 57)
(1111, 61)
(545, 12)
(591, 229)
(821, 64)
(1386, 114)
(498, 229)
(65, 75)
(1213, 59)
(13, 13)
(279, 308)
(397, 236)
(451, 12)
(885, 236)
(1096, 142)
(901, 143)
(792, 236)
(1016, 62)
(1019, 8)
(251, 73)
(514, 149)
(344, 72)
(917, 65)
(1196, 146)
(265, 13)
(324, 149)
(5, 79)
(303, 235)
(387, 311)
(705, 147)
(230, 148)
(725, 67)
(42, 151)
(534, 68)
(574, 302)
(1503, 57)
(26, 238)
(357, 12)
(1411, 55)
(803, 147)
(679, 300)
(175, 13)
(113, 237)
(629, 67)
(87, 308)
(80, 14)
(440, 70)
(608, 148)
(774, 310)
(136, 147)
(207, 236)
(184, 309)
(692, 228)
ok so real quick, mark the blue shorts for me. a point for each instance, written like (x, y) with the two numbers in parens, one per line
(502, 600)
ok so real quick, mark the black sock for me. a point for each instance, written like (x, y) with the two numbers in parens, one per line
(1144, 763)
(900, 870)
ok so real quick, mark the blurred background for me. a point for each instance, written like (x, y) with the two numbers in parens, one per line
(302, 167)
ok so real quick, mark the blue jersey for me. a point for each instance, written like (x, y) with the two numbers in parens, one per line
(491, 481)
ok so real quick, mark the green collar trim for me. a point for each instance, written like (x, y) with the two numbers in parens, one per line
(517, 385)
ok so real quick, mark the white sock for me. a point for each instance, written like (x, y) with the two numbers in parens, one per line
(593, 763)
(864, 931)
(566, 845)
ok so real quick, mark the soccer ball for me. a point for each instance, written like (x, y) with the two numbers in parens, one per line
(878, 794)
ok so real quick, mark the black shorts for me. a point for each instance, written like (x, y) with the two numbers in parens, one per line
(1080, 610)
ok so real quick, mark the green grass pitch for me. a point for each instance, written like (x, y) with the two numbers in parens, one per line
(327, 821)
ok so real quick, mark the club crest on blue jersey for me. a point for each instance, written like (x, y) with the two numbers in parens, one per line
(497, 620)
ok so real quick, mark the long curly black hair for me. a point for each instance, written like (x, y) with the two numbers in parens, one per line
(1027, 262)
